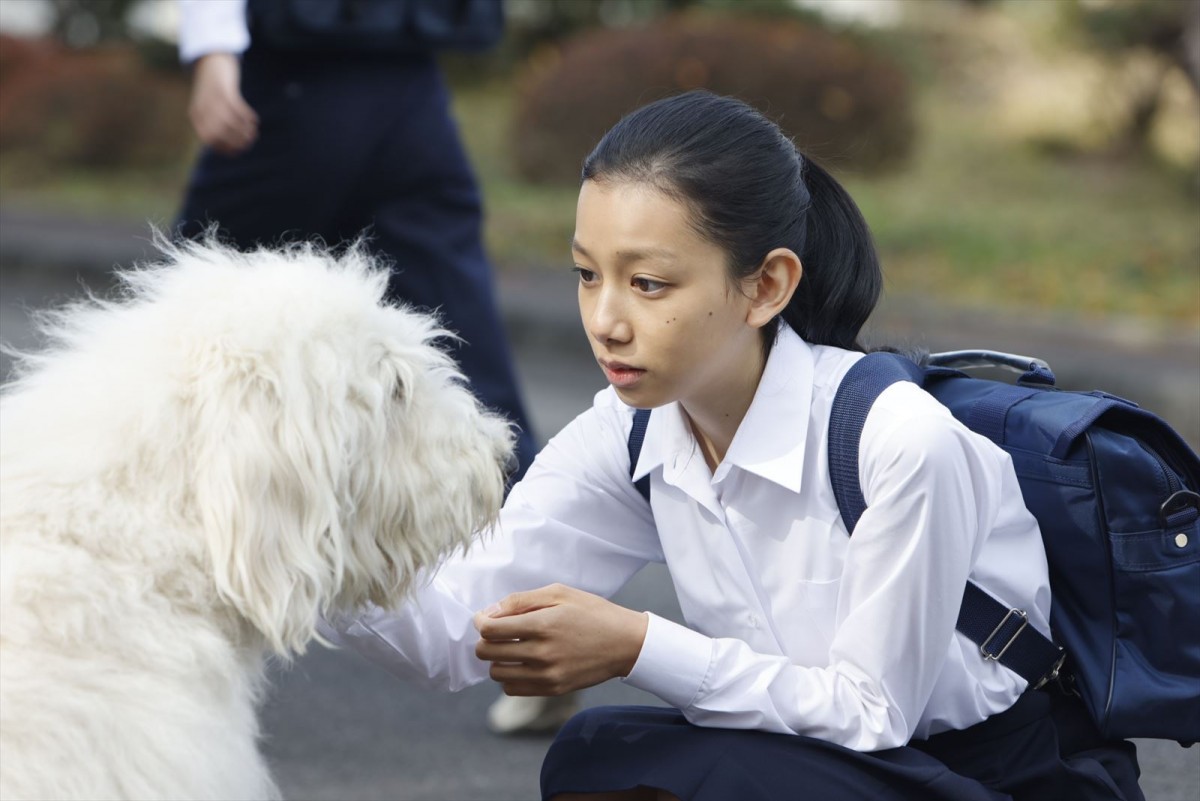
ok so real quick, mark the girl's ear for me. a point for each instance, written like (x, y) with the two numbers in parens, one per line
(771, 288)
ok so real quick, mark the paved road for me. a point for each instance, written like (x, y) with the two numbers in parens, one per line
(339, 728)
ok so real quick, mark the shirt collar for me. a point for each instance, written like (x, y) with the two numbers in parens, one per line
(770, 442)
(668, 440)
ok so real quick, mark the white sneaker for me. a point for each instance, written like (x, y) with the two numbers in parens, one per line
(510, 714)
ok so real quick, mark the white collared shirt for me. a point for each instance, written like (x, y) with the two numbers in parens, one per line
(791, 625)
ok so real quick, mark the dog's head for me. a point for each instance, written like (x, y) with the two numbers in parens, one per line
(335, 449)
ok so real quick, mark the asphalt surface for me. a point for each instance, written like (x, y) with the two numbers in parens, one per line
(339, 728)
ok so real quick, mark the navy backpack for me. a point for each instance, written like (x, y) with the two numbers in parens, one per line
(1115, 492)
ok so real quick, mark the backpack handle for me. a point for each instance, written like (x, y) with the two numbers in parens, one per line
(1034, 372)
(986, 358)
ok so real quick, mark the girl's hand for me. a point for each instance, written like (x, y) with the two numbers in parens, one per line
(558, 639)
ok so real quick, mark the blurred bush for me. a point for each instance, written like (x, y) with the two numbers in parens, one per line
(102, 107)
(1165, 34)
(841, 102)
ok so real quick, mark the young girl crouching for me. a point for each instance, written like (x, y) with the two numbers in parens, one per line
(723, 281)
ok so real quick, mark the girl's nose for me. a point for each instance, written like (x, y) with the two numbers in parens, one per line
(606, 320)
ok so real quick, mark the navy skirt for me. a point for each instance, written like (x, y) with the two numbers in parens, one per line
(1042, 749)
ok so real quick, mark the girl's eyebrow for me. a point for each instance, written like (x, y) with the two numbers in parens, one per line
(628, 256)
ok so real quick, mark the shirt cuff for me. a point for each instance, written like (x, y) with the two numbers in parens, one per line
(212, 26)
(673, 663)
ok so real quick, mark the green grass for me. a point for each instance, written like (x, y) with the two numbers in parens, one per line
(983, 221)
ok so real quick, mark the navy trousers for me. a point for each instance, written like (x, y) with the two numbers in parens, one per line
(1043, 749)
(348, 145)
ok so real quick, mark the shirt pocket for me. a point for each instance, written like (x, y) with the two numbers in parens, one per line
(809, 621)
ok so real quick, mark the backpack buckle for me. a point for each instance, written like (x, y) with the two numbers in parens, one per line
(1054, 673)
(1180, 509)
(984, 646)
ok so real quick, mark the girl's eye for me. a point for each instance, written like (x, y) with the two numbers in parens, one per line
(586, 276)
(647, 285)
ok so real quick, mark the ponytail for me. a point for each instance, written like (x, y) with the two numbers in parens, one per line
(842, 278)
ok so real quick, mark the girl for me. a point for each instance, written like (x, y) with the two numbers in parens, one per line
(723, 281)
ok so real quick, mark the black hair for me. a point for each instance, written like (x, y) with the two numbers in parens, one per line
(749, 191)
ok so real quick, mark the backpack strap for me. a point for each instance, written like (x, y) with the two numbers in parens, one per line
(641, 418)
(1002, 634)
(865, 381)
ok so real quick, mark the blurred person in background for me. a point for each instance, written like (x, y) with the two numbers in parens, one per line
(323, 120)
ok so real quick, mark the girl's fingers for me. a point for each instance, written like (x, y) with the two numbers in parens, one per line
(506, 651)
(509, 672)
(524, 680)
(521, 604)
(514, 627)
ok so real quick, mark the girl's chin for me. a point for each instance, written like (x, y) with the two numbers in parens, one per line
(637, 396)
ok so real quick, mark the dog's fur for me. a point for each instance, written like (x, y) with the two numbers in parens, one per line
(191, 475)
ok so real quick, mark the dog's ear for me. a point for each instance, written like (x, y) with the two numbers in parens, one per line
(266, 470)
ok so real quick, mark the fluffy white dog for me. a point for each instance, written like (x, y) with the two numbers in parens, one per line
(192, 475)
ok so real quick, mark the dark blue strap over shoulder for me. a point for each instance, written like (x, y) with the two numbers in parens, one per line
(1002, 634)
(864, 382)
(641, 418)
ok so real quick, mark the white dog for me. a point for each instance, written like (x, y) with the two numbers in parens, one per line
(191, 476)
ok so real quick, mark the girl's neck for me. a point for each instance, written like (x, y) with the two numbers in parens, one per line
(715, 418)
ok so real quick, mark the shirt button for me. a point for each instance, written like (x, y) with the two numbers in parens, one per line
(752, 620)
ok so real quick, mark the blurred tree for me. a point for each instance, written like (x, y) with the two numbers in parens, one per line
(1169, 30)
(1166, 27)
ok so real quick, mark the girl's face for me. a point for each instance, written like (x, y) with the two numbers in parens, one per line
(662, 315)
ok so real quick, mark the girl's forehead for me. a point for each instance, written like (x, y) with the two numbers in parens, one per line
(628, 224)
(627, 192)
(632, 211)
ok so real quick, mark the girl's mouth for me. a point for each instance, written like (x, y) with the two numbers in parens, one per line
(621, 376)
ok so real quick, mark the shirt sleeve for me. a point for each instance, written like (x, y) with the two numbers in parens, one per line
(211, 26)
(931, 488)
(575, 519)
